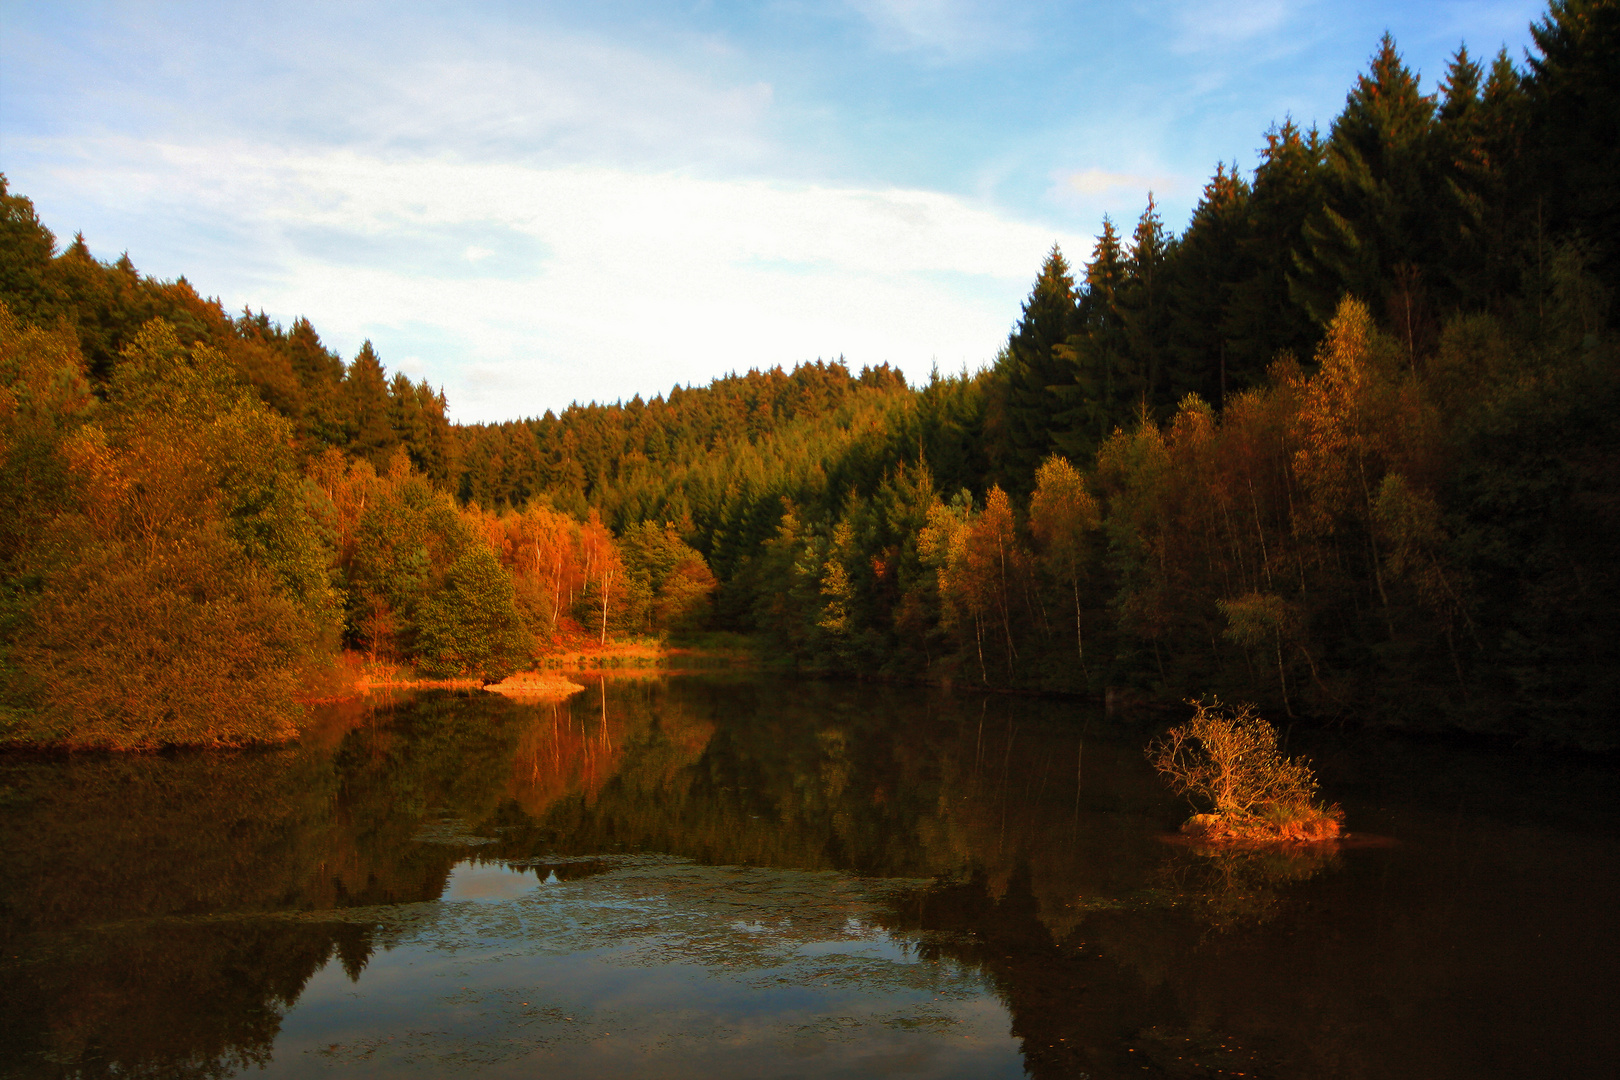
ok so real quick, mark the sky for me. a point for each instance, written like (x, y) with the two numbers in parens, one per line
(531, 204)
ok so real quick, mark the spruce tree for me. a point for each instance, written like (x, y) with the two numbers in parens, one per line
(1096, 400)
(1262, 318)
(1375, 225)
(1510, 208)
(1210, 260)
(365, 390)
(1033, 370)
(1145, 304)
(320, 373)
(26, 250)
(1481, 210)
(1574, 85)
(1463, 165)
(104, 302)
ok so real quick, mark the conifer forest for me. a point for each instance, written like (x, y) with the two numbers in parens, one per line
(1346, 446)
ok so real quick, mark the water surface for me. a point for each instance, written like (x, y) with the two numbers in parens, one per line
(724, 876)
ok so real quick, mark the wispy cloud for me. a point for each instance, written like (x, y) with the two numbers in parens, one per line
(947, 29)
(522, 287)
(534, 91)
(1103, 182)
(1218, 25)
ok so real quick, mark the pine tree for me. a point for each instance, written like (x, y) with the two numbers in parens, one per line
(1262, 317)
(1033, 369)
(1375, 224)
(1573, 85)
(1098, 397)
(1210, 260)
(365, 390)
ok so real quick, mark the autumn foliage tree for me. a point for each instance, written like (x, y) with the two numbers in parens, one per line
(1063, 518)
(181, 586)
(1227, 759)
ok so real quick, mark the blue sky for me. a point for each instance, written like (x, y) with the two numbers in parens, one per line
(530, 204)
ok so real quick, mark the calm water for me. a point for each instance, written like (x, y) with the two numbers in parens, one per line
(718, 876)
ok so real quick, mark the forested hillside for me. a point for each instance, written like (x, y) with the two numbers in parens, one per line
(1347, 445)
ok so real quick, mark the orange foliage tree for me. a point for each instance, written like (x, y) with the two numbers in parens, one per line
(981, 565)
(181, 580)
(1062, 517)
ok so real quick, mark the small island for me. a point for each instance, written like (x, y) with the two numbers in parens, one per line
(1226, 758)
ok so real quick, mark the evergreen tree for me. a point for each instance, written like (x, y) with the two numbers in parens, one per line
(1145, 305)
(1032, 368)
(408, 421)
(1263, 318)
(1373, 235)
(320, 373)
(365, 390)
(1211, 259)
(255, 349)
(1097, 398)
(1574, 83)
(1464, 167)
(103, 303)
(26, 250)
(1510, 207)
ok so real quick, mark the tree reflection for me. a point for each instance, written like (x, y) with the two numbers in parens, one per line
(166, 910)
(171, 1000)
(1231, 888)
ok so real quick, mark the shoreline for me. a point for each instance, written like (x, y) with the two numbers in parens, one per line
(357, 677)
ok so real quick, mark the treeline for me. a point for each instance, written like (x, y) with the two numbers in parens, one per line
(353, 407)
(1346, 445)
(187, 541)
(619, 456)
(207, 508)
(176, 571)
(1423, 206)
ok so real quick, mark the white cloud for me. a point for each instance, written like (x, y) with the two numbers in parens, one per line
(1103, 182)
(1093, 193)
(524, 287)
(950, 29)
(482, 86)
(1220, 25)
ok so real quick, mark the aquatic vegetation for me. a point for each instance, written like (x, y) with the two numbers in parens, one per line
(1226, 758)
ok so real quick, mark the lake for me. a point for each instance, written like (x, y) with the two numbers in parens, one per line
(735, 875)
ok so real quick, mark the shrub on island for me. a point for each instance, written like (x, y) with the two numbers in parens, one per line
(1226, 760)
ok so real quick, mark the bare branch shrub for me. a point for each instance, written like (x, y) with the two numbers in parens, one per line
(1226, 759)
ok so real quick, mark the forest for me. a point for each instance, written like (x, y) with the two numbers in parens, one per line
(1346, 446)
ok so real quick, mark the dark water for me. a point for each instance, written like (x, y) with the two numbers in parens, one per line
(735, 876)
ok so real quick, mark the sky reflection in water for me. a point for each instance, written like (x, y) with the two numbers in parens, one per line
(653, 967)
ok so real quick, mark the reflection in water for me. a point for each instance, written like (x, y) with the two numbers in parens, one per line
(657, 966)
(920, 868)
(488, 881)
(1243, 887)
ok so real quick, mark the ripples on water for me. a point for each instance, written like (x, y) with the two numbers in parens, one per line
(738, 876)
